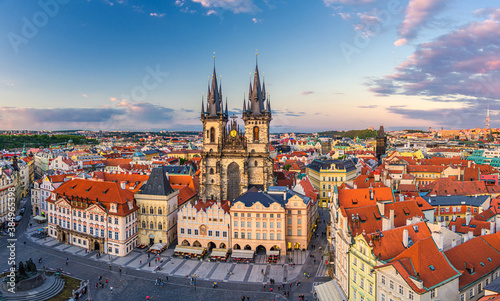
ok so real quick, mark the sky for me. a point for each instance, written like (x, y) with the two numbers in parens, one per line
(328, 64)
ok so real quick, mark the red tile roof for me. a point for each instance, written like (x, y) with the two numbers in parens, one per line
(105, 193)
(134, 181)
(185, 194)
(425, 260)
(349, 198)
(388, 244)
(407, 187)
(426, 168)
(200, 205)
(475, 226)
(471, 258)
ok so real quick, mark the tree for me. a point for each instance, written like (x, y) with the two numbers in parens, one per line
(287, 167)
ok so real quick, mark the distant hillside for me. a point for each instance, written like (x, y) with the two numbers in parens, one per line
(362, 134)
(17, 141)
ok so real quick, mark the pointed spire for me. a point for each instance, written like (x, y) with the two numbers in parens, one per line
(202, 107)
(226, 107)
(244, 104)
(264, 87)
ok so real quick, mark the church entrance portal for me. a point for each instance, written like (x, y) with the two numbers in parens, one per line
(233, 181)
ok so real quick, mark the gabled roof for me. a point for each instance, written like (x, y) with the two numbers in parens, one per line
(185, 194)
(388, 244)
(475, 226)
(475, 258)
(157, 183)
(349, 198)
(423, 260)
(104, 193)
(455, 200)
(200, 205)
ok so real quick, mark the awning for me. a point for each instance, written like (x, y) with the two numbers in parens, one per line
(157, 247)
(219, 252)
(245, 254)
(328, 291)
(40, 218)
(273, 253)
(190, 250)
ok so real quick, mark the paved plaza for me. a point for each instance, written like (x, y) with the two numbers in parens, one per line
(139, 273)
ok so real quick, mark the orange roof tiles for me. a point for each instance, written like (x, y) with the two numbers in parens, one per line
(475, 258)
(200, 205)
(349, 198)
(475, 226)
(185, 194)
(133, 181)
(390, 243)
(105, 193)
(425, 260)
(426, 168)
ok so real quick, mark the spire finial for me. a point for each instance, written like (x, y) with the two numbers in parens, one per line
(214, 59)
(256, 56)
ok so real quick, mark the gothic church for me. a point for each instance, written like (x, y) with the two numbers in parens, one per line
(233, 160)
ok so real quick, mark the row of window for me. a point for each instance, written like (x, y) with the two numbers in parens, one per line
(264, 224)
(210, 232)
(83, 228)
(264, 235)
(402, 291)
(152, 210)
(330, 179)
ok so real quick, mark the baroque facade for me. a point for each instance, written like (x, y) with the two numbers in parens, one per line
(232, 160)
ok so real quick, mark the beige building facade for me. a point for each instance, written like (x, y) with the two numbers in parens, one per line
(204, 224)
(158, 205)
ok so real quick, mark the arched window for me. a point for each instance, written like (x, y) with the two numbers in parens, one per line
(212, 181)
(143, 210)
(160, 211)
(143, 225)
(159, 226)
(256, 133)
(256, 163)
(151, 225)
(151, 210)
(211, 171)
(212, 135)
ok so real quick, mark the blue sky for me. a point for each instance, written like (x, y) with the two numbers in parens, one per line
(328, 64)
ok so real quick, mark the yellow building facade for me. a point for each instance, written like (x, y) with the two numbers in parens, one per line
(362, 279)
(324, 175)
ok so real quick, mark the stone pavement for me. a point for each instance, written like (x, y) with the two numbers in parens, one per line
(177, 267)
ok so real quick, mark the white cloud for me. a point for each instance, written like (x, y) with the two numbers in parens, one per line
(157, 15)
(211, 12)
(236, 6)
(347, 2)
(255, 20)
(85, 95)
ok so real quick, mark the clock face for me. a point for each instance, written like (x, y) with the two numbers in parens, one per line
(233, 133)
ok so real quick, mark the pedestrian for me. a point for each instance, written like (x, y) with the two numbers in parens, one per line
(149, 263)
(67, 261)
(120, 271)
(96, 285)
(102, 285)
(111, 289)
(248, 298)
(106, 279)
(290, 284)
(243, 298)
(140, 261)
(166, 278)
(271, 289)
(40, 260)
(100, 278)
(147, 297)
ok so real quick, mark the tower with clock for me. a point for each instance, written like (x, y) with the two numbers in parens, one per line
(233, 160)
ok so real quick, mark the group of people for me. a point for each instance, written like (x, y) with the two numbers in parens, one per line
(101, 284)
(159, 281)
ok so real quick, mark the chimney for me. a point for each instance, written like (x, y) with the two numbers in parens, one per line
(405, 238)
(465, 238)
(453, 243)
(376, 177)
(440, 242)
(469, 162)
(453, 228)
(371, 194)
(401, 197)
(122, 184)
(467, 218)
(492, 227)
(483, 231)
(470, 234)
(391, 218)
(497, 223)
(354, 185)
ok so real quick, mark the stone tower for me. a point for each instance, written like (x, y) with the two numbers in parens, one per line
(232, 160)
(381, 143)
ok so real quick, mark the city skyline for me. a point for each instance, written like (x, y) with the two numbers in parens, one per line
(331, 64)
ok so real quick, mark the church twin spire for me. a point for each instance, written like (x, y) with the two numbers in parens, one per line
(258, 101)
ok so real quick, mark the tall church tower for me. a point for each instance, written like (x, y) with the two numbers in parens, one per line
(381, 143)
(234, 161)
